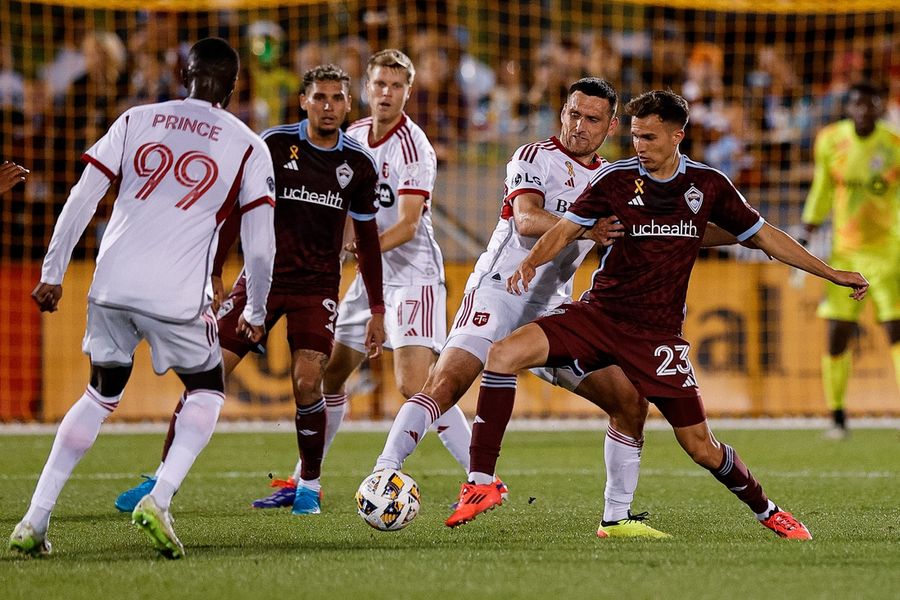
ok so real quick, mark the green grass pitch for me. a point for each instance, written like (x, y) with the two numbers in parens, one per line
(539, 544)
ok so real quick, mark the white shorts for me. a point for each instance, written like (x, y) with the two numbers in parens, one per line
(415, 315)
(489, 314)
(112, 335)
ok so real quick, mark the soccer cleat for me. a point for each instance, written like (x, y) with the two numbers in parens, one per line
(501, 487)
(474, 500)
(836, 433)
(280, 498)
(306, 502)
(157, 524)
(632, 526)
(785, 525)
(128, 499)
(27, 541)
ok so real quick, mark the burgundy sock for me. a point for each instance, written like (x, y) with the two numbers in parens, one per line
(735, 475)
(310, 421)
(495, 404)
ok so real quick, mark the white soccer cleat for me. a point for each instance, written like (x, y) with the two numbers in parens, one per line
(27, 541)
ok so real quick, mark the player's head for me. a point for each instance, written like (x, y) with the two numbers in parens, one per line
(390, 75)
(865, 105)
(588, 116)
(658, 119)
(211, 70)
(326, 98)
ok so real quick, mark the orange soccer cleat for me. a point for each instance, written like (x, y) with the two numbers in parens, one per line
(785, 525)
(474, 500)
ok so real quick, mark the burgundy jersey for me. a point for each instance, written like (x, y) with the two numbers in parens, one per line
(315, 189)
(643, 277)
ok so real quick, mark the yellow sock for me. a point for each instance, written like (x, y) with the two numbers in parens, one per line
(835, 374)
(895, 355)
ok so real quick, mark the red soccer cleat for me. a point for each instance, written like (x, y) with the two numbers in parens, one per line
(474, 500)
(283, 483)
(785, 525)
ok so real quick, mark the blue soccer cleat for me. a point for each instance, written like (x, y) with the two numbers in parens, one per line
(278, 499)
(128, 500)
(306, 502)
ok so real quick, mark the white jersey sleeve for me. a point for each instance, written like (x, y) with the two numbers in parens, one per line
(258, 231)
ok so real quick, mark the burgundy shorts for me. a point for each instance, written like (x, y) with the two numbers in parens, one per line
(584, 339)
(310, 320)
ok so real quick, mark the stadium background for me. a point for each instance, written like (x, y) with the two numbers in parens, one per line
(762, 78)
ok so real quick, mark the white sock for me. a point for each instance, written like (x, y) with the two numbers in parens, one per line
(454, 431)
(622, 455)
(313, 484)
(193, 429)
(76, 434)
(336, 407)
(479, 478)
(412, 421)
(770, 510)
(297, 468)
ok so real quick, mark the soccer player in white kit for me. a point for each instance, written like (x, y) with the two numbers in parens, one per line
(184, 166)
(542, 180)
(415, 295)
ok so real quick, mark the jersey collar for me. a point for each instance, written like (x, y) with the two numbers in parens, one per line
(200, 102)
(303, 136)
(682, 168)
(387, 136)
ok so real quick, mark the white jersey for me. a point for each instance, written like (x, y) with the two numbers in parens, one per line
(543, 168)
(406, 164)
(184, 166)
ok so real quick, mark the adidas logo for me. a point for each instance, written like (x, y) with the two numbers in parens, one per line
(690, 381)
(478, 419)
(496, 277)
(636, 201)
(291, 165)
(571, 182)
(307, 432)
(414, 435)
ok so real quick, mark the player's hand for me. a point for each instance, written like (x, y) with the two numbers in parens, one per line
(218, 293)
(47, 296)
(254, 333)
(853, 280)
(375, 335)
(10, 175)
(524, 273)
(350, 247)
(605, 231)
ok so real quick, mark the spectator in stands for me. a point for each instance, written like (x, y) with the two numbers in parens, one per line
(272, 85)
(507, 107)
(436, 102)
(68, 63)
(857, 181)
(550, 85)
(155, 59)
(352, 54)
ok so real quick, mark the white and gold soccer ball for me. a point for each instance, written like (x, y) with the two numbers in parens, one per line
(388, 500)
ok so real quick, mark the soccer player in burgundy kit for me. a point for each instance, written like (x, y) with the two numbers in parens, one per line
(182, 167)
(635, 310)
(321, 176)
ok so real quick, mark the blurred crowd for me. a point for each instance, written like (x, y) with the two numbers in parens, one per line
(755, 109)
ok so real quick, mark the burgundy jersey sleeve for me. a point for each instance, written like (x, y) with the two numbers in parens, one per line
(364, 203)
(591, 204)
(732, 213)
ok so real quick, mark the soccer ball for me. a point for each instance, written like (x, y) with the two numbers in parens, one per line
(388, 500)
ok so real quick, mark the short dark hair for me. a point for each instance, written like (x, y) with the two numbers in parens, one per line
(213, 58)
(327, 72)
(599, 88)
(665, 104)
(865, 88)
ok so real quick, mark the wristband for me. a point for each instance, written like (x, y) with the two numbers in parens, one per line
(377, 309)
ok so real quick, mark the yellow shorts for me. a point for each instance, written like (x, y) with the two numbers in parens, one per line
(884, 289)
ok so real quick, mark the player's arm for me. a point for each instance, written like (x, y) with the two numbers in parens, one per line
(74, 218)
(786, 249)
(716, 236)
(821, 192)
(228, 235)
(532, 220)
(368, 253)
(546, 249)
(409, 208)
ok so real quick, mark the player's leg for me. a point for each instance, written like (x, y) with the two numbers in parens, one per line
(109, 340)
(455, 371)
(308, 369)
(75, 436)
(344, 360)
(526, 347)
(836, 366)
(688, 420)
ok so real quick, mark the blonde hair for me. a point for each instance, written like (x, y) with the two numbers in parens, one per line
(392, 59)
